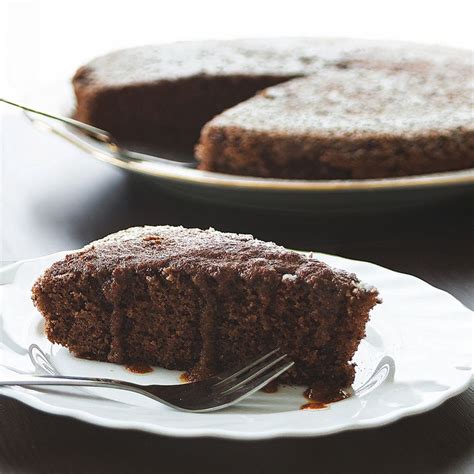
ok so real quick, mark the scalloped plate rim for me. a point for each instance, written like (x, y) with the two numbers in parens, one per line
(28, 397)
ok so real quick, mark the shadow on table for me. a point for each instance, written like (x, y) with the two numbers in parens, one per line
(132, 200)
(436, 442)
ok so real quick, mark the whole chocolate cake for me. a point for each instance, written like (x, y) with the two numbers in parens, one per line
(204, 301)
(348, 124)
(338, 108)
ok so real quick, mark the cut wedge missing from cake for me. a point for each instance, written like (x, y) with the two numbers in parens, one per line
(203, 301)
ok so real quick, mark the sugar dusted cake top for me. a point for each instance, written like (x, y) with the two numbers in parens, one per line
(275, 56)
(207, 253)
(360, 102)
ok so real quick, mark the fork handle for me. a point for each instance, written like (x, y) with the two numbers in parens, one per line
(95, 132)
(99, 134)
(66, 380)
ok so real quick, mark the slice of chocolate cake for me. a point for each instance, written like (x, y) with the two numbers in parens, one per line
(203, 301)
(349, 123)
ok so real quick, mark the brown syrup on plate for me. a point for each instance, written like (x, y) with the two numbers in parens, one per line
(320, 397)
(139, 368)
(313, 406)
(185, 378)
(271, 387)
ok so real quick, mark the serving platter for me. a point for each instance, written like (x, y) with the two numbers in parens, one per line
(417, 354)
(283, 195)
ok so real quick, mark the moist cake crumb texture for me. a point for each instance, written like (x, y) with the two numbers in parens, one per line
(203, 301)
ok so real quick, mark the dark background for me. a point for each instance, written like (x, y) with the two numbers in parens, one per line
(55, 197)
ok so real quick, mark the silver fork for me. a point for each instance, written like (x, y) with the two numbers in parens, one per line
(41, 362)
(101, 136)
(211, 394)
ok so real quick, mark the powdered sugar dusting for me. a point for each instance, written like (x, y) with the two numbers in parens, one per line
(275, 56)
(360, 101)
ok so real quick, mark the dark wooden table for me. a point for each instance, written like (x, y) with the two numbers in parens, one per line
(55, 198)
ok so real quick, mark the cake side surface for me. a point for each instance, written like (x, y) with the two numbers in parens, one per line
(204, 301)
(163, 113)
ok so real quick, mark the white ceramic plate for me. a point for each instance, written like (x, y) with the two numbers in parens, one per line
(416, 355)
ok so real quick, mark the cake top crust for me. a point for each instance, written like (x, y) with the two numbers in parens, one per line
(200, 254)
(360, 102)
(272, 56)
